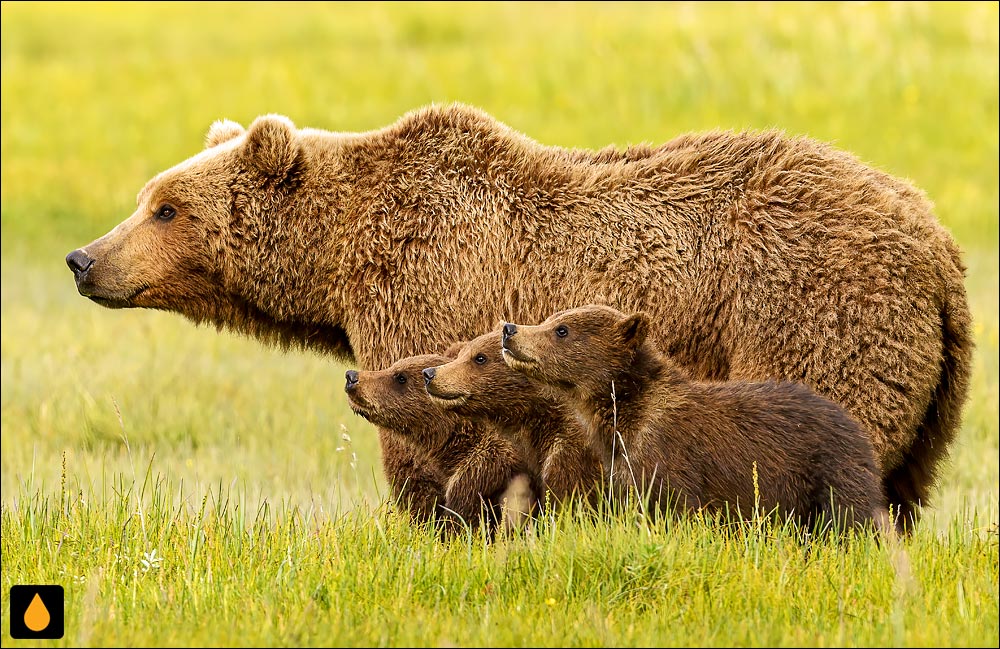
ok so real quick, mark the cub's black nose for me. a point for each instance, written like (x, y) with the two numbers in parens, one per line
(352, 379)
(78, 262)
(429, 374)
(509, 330)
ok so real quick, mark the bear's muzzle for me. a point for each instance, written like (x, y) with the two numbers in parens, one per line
(79, 262)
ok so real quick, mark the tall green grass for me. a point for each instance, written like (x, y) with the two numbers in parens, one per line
(129, 432)
(148, 564)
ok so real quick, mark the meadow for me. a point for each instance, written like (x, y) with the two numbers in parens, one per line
(190, 487)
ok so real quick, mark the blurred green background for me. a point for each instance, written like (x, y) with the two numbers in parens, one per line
(97, 98)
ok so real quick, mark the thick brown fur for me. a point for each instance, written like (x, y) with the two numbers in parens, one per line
(756, 255)
(469, 468)
(699, 445)
(479, 385)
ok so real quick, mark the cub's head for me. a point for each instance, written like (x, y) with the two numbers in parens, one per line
(478, 384)
(580, 349)
(204, 231)
(395, 398)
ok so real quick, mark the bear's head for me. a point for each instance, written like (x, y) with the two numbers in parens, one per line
(395, 398)
(195, 243)
(479, 385)
(580, 349)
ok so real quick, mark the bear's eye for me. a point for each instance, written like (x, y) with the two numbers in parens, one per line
(562, 331)
(480, 359)
(166, 212)
(401, 379)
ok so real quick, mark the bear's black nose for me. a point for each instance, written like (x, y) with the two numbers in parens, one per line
(78, 262)
(352, 379)
(509, 330)
(429, 374)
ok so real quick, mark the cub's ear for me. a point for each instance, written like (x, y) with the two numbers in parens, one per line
(634, 329)
(271, 146)
(455, 349)
(222, 130)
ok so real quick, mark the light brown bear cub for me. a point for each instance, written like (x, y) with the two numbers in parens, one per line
(694, 445)
(479, 469)
(479, 385)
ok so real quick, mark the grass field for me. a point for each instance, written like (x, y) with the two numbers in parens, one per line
(189, 487)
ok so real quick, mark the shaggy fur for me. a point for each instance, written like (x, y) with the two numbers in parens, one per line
(756, 256)
(697, 445)
(480, 386)
(472, 469)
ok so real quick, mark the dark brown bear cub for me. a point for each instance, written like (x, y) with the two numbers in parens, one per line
(480, 386)
(695, 445)
(479, 470)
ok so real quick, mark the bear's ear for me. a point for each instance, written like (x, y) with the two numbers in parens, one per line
(634, 329)
(455, 349)
(222, 130)
(271, 146)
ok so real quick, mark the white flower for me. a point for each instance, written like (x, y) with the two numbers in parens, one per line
(150, 561)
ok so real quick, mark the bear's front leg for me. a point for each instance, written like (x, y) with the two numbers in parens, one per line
(490, 474)
(572, 469)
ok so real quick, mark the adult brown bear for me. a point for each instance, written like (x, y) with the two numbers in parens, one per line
(757, 255)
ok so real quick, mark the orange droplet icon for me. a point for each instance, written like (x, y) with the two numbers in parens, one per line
(36, 617)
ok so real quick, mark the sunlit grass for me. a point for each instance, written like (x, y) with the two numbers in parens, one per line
(148, 562)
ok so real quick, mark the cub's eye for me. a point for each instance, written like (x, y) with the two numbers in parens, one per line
(166, 212)
(562, 331)
(401, 379)
(480, 359)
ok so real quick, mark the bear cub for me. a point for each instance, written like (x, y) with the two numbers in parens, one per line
(482, 472)
(480, 386)
(693, 445)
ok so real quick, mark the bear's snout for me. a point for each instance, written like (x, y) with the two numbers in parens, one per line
(509, 329)
(429, 374)
(79, 262)
(352, 379)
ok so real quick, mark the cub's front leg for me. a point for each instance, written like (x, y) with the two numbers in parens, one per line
(495, 480)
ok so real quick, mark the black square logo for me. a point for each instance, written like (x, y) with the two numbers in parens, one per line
(36, 612)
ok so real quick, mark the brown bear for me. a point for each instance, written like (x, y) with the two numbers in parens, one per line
(756, 255)
(471, 469)
(693, 445)
(478, 385)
